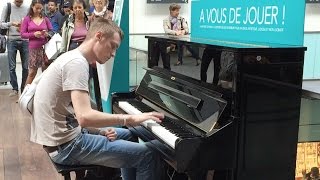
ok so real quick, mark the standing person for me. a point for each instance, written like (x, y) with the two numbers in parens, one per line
(210, 54)
(177, 25)
(16, 43)
(75, 28)
(101, 9)
(67, 11)
(55, 16)
(60, 113)
(36, 28)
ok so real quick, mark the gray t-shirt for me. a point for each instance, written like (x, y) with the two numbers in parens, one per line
(53, 121)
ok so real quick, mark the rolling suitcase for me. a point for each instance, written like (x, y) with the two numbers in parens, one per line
(4, 68)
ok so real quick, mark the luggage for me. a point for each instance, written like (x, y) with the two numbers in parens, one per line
(4, 68)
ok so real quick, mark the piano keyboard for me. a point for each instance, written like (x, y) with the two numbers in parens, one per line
(159, 130)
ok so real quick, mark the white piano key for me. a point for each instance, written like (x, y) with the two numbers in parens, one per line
(160, 131)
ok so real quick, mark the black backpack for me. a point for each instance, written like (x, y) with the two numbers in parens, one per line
(4, 31)
(3, 44)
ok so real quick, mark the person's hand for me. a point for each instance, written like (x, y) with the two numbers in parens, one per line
(45, 33)
(178, 33)
(137, 119)
(183, 32)
(37, 34)
(110, 133)
(16, 24)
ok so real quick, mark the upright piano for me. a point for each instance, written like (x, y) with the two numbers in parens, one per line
(244, 128)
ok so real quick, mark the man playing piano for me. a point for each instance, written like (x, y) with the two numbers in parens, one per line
(62, 111)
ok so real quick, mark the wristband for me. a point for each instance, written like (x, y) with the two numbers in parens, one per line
(122, 120)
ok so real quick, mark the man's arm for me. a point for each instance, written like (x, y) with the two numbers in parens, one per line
(185, 25)
(4, 24)
(88, 117)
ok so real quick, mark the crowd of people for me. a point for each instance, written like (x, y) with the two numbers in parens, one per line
(32, 26)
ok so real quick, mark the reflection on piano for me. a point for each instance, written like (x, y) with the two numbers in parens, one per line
(192, 113)
(246, 130)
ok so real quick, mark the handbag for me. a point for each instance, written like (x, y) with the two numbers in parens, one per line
(26, 97)
(52, 47)
(3, 44)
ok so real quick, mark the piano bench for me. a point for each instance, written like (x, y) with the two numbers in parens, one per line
(79, 170)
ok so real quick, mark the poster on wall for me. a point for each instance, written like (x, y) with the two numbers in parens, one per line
(114, 74)
(264, 21)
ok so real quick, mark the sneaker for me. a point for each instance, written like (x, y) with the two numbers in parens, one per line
(198, 62)
(178, 63)
(13, 93)
(168, 49)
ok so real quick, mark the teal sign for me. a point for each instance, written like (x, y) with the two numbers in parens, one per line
(267, 21)
(114, 74)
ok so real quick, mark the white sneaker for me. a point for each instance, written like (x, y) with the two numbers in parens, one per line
(13, 93)
(168, 49)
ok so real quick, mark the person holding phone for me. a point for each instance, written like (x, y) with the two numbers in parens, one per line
(36, 28)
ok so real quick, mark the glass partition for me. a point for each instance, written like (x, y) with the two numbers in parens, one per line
(138, 57)
(308, 151)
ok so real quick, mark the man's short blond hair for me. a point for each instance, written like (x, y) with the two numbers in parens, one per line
(174, 7)
(105, 26)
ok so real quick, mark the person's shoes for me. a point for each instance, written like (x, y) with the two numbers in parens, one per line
(13, 93)
(168, 49)
(178, 63)
(171, 48)
(198, 62)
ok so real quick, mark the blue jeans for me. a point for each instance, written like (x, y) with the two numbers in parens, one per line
(137, 160)
(13, 47)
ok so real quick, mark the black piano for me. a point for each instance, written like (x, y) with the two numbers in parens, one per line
(244, 128)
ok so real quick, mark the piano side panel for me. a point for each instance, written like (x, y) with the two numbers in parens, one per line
(219, 151)
(270, 95)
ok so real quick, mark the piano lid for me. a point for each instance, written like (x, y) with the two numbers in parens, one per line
(197, 105)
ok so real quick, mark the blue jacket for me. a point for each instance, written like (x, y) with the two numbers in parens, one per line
(56, 20)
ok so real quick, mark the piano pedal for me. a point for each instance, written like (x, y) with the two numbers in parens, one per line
(172, 174)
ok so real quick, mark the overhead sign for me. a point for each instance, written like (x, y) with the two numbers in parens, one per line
(271, 21)
(312, 1)
(167, 1)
